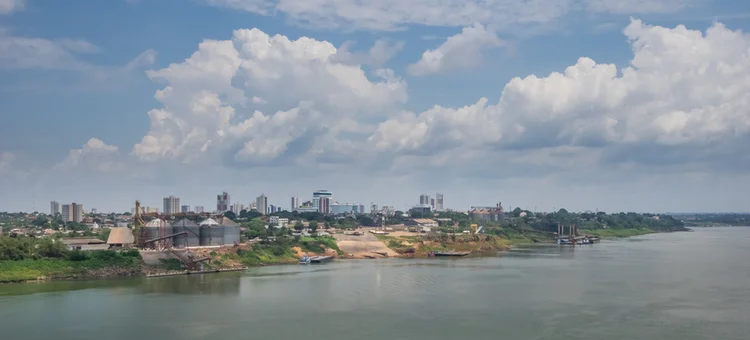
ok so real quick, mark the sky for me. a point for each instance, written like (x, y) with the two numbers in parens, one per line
(609, 105)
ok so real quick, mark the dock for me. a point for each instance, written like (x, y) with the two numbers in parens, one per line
(451, 253)
(196, 272)
(321, 259)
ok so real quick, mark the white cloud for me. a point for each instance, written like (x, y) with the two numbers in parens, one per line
(23, 53)
(380, 52)
(394, 14)
(94, 155)
(683, 91)
(309, 97)
(10, 6)
(463, 50)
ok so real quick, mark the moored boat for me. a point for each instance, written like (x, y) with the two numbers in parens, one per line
(304, 260)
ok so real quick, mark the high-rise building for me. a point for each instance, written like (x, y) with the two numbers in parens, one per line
(317, 195)
(261, 204)
(222, 202)
(373, 208)
(54, 208)
(199, 209)
(295, 203)
(432, 203)
(324, 205)
(171, 205)
(185, 209)
(424, 199)
(271, 209)
(439, 202)
(72, 212)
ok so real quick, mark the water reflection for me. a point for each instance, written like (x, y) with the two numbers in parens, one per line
(208, 284)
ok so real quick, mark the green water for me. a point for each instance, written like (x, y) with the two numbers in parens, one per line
(664, 286)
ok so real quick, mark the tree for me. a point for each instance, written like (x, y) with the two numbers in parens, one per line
(365, 220)
(40, 220)
(256, 228)
(299, 226)
(230, 215)
(313, 226)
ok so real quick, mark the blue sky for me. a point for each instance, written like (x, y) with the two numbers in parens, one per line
(381, 101)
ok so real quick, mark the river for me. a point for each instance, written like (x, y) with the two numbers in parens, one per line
(693, 285)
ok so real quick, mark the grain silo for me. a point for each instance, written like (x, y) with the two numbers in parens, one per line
(192, 239)
(211, 233)
(155, 229)
(231, 231)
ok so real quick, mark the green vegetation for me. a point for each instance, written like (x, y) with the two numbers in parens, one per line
(27, 258)
(280, 251)
(616, 232)
(707, 220)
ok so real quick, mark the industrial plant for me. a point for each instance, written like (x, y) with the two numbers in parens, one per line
(177, 237)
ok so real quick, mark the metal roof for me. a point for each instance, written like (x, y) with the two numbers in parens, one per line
(227, 222)
(209, 222)
(185, 223)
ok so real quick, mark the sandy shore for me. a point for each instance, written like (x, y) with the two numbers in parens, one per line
(365, 246)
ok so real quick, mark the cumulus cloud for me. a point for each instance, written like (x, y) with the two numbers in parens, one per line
(94, 155)
(308, 95)
(10, 6)
(463, 50)
(684, 90)
(394, 14)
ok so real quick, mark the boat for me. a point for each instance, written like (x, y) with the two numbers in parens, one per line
(451, 253)
(321, 259)
(304, 260)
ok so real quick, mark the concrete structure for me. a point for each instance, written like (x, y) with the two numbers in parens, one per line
(199, 209)
(236, 208)
(171, 205)
(439, 202)
(494, 214)
(146, 210)
(120, 237)
(157, 228)
(261, 204)
(295, 203)
(279, 222)
(347, 208)
(85, 244)
(211, 233)
(324, 205)
(192, 239)
(425, 224)
(222, 202)
(317, 195)
(231, 231)
(185, 209)
(72, 212)
(424, 199)
(54, 208)
(423, 209)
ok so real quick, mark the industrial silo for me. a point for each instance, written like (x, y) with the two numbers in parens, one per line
(211, 233)
(155, 229)
(231, 231)
(192, 239)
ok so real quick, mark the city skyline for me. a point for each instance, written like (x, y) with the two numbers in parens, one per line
(585, 104)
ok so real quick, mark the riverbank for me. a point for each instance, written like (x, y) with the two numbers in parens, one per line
(617, 233)
(59, 269)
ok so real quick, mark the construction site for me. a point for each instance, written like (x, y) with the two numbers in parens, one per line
(159, 239)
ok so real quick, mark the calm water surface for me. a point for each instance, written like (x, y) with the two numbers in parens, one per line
(666, 286)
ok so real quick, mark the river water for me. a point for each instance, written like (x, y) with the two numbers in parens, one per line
(663, 286)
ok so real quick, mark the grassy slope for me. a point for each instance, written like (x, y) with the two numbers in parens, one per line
(616, 232)
(16, 271)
